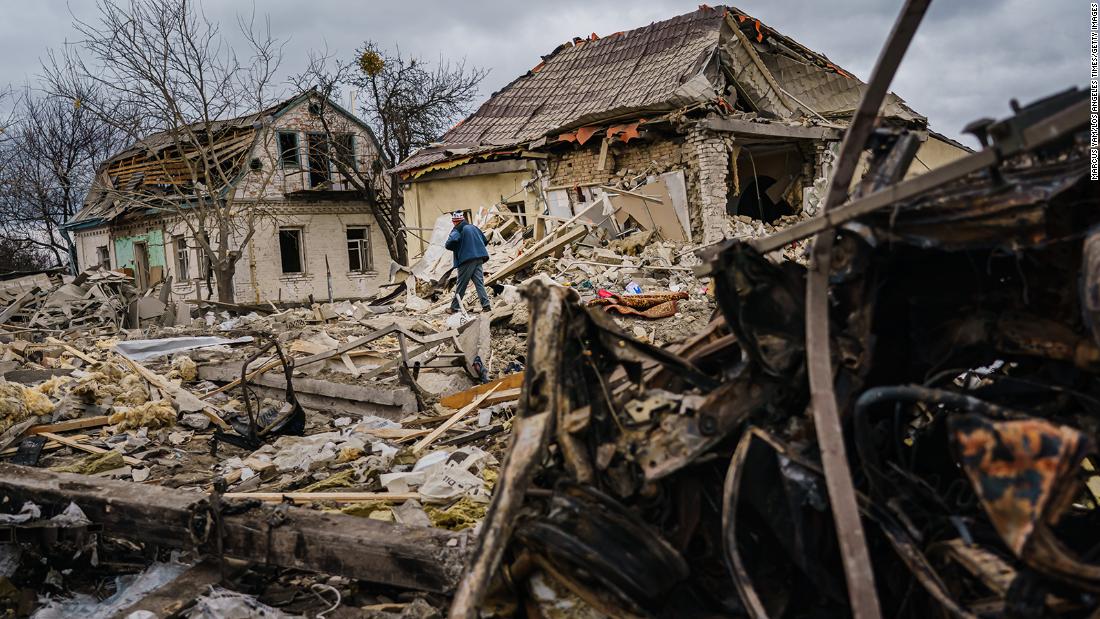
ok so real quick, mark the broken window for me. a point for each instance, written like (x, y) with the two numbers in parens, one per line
(103, 256)
(359, 254)
(345, 150)
(183, 262)
(318, 159)
(762, 199)
(290, 250)
(288, 149)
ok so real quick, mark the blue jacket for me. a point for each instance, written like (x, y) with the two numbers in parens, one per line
(467, 242)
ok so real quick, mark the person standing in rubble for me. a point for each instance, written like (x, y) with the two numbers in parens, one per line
(467, 242)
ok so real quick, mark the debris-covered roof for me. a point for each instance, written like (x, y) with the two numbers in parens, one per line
(659, 68)
(156, 160)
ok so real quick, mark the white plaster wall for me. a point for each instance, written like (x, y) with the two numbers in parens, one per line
(87, 241)
(425, 201)
(259, 276)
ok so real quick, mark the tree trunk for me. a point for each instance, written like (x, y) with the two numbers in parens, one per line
(224, 277)
(400, 240)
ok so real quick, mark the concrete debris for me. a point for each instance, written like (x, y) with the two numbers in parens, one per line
(97, 300)
(659, 415)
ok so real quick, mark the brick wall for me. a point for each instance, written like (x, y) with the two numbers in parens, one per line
(708, 159)
(581, 166)
(703, 155)
(274, 179)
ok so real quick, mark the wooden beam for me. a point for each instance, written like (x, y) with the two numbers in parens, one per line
(474, 169)
(773, 130)
(92, 449)
(68, 426)
(335, 497)
(17, 304)
(533, 254)
(421, 558)
(446, 425)
(462, 398)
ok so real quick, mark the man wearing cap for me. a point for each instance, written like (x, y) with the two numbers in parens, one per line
(467, 242)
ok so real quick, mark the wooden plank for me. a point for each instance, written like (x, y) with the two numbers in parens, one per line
(92, 449)
(443, 427)
(533, 254)
(462, 398)
(68, 426)
(336, 497)
(422, 558)
(346, 358)
(17, 304)
(748, 128)
(511, 395)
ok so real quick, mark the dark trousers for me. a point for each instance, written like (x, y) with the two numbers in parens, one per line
(468, 270)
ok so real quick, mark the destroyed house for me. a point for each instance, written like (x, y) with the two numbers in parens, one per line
(314, 232)
(704, 126)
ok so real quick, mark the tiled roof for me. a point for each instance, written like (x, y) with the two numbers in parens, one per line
(657, 68)
(642, 69)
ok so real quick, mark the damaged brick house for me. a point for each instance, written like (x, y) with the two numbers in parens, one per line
(706, 125)
(315, 230)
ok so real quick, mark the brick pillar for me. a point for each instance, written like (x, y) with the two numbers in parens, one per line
(708, 161)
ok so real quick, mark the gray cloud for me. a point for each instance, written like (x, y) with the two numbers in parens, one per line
(969, 58)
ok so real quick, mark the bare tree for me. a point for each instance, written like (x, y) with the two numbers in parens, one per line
(408, 103)
(19, 256)
(52, 151)
(165, 60)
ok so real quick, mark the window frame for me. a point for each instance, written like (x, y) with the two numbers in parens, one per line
(205, 268)
(364, 247)
(325, 148)
(182, 256)
(284, 161)
(103, 256)
(301, 232)
(352, 161)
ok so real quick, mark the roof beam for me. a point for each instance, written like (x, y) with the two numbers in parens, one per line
(748, 128)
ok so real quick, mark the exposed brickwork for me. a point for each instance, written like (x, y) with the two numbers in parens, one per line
(703, 155)
(287, 179)
(581, 166)
(708, 164)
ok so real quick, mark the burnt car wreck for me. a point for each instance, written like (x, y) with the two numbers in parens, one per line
(963, 313)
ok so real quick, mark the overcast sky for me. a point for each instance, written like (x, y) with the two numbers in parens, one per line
(969, 58)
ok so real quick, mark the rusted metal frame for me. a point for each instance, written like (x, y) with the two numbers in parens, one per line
(531, 431)
(906, 550)
(294, 414)
(858, 570)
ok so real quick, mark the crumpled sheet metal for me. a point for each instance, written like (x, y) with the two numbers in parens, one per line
(1022, 471)
(651, 305)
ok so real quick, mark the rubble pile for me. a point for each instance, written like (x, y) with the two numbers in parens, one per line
(645, 481)
(628, 432)
(96, 301)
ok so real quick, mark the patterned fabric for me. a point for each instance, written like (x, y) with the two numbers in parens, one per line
(1022, 471)
(654, 305)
